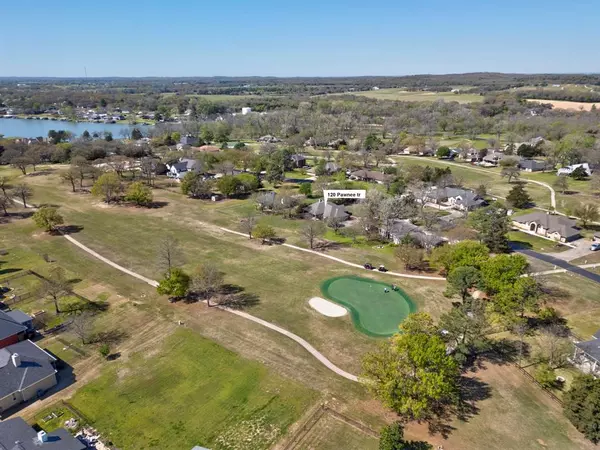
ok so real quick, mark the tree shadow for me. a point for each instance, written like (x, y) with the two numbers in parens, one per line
(229, 289)
(157, 205)
(41, 173)
(70, 229)
(472, 391)
(113, 356)
(328, 245)
(501, 352)
(238, 301)
(9, 270)
(111, 337)
(97, 306)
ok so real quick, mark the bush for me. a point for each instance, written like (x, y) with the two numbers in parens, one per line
(139, 193)
(104, 350)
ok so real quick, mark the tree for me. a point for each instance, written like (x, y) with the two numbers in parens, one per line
(465, 330)
(552, 345)
(47, 217)
(5, 203)
(108, 137)
(502, 271)
(464, 253)
(69, 176)
(82, 326)
(55, 287)
(247, 224)
(515, 299)
(578, 174)
(411, 255)
(481, 190)
(561, 183)
(511, 173)
(169, 254)
(312, 230)
(175, 284)
(104, 350)
(229, 185)
(587, 212)
(461, 280)
(442, 152)
(264, 232)
(492, 224)
(24, 192)
(411, 373)
(306, 189)
(595, 183)
(581, 405)
(4, 185)
(136, 134)
(107, 186)
(392, 438)
(335, 223)
(139, 193)
(21, 163)
(194, 185)
(207, 280)
(518, 197)
(545, 375)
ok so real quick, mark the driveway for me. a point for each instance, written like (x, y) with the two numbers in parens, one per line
(582, 249)
(562, 264)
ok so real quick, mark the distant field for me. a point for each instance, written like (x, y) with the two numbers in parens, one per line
(217, 97)
(563, 104)
(406, 96)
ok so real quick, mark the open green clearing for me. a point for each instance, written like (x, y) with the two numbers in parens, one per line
(192, 392)
(374, 311)
(419, 96)
(531, 242)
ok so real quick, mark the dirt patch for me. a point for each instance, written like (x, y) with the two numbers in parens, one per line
(564, 104)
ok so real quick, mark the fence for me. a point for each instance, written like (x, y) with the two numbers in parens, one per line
(546, 390)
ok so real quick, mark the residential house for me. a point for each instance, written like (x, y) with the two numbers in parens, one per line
(402, 228)
(532, 165)
(332, 167)
(418, 150)
(493, 157)
(11, 331)
(336, 143)
(298, 160)
(552, 226)
(371, 175)
(569, 169)
(587, 355)
(269, 139)
(190, 140)
(208, 148)
(458, 198)
(26, 371)
(21, 318)
(183, 166)
(470, 155)
(16, 434)
(327, 210)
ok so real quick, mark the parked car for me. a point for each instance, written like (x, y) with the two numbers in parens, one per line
(368, 266)
(595, 247)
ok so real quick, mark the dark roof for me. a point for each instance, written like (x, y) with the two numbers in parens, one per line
(328, 210)
(591, 348)
(297, 157)
(532, 164)
(402, 228)
(8, 326)
(17, 430)
(371, 175)
(553, 222)
(35, 365)
(19, 316)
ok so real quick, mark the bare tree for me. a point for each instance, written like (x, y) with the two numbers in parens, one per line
(207, 280)
(5, 203)
(147, 166)
(82, 326)
(553, 347)
(312, 230)
(70, 176)
(4, 185)
(23, 192)
(169, 254)
(247, 224)
(55, 287)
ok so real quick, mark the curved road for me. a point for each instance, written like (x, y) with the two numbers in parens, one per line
(563, 264)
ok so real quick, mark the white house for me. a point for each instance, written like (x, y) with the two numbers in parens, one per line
(246, 110)
(569, 169)
(179, 169)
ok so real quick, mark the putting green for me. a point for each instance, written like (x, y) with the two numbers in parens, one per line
(374, 312)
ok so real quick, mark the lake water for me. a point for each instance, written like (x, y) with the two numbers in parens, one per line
(26, 128)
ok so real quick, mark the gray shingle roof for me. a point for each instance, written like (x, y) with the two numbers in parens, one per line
(328, 210)
(17, 430)
(35, 365)
(553, 222)
(8, 326)
(402, 228)
(591, 348)
(19, 316)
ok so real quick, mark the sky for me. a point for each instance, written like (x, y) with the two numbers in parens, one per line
(303, 38)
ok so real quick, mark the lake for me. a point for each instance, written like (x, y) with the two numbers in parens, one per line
(31, 128)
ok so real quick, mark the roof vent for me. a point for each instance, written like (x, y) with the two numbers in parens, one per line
(42, 436)
(16, 359)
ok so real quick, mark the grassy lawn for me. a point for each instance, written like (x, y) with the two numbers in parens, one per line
(191, 391)
(531, 242)
(420, 96)
(330, 433)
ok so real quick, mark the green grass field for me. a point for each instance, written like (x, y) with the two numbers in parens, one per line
(374, 311)
(420, 96)
(528, 241)
(330, 433)
(192, 392)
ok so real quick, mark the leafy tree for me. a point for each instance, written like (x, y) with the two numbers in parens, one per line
(411, 373)
(492, 224)
(561, 183)
(139, 193)
(108, 137)
(481, 190)
(306, 189)
(229, 185)
(511, 173)
(194, 185)
(320, 168)
(264, 232)
(581, 405)
(207, 281)
(465, 329)
(392, 438)
(502, 271)
(107, 186)
(515, 299)
(443, 152)
(372, 142)
(136, 134)
(587, 212)
(249, 182)
(578, 174)
(461, 280)
(104, 350)
(527, 151)
(55, 287)
(24, 192)
(311, 231)
(175, 284)
(518, 197)
(69, 176)
(464, 253)
(47, 217)
(545, 375)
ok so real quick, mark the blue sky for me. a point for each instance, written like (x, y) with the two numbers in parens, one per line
(302, 38)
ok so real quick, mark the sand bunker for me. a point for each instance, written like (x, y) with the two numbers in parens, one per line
(327, 308)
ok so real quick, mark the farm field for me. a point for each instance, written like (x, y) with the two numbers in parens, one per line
(191, 391)
(564, 104)
(419, 96)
